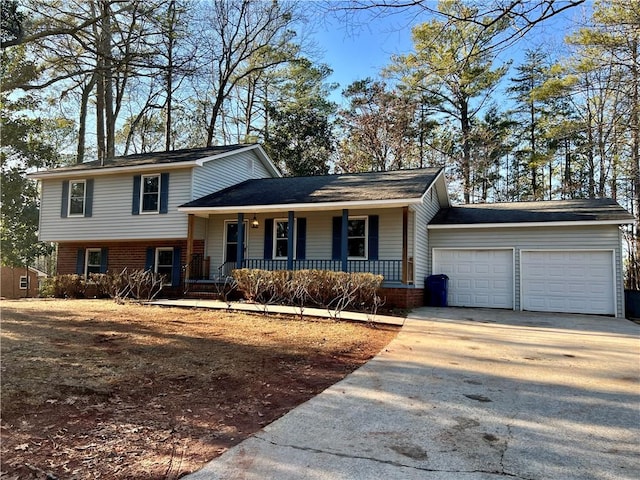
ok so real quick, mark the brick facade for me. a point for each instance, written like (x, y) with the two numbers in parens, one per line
(129, 254)
(10, 283)
(402, 297)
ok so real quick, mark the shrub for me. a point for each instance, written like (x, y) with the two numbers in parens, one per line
(300, 288)
(65, 286)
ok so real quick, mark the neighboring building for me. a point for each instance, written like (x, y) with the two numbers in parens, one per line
(20, 282)
(194, 215)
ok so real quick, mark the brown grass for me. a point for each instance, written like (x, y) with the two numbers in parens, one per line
(92, 389)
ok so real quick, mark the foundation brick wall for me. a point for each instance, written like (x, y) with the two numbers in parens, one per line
(130, 254)
(402, 297)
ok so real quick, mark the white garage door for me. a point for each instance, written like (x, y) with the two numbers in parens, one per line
(568, 281)
(477, 278)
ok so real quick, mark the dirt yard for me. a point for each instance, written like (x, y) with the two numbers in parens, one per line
(92, 389)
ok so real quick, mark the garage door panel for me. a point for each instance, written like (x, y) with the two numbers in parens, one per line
(477, 278)
(568, 281)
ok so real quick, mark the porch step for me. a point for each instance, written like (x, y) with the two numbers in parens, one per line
(202, 295)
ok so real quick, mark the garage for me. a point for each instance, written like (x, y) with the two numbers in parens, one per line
(477, 277)
(568, 281)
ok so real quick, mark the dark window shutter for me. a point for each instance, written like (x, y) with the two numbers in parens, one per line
(164, 193)
(301, 240)
(151, 260)
(177, 267)
(268, 239)
(64, 208)
(373, 236)
(88, 198)
(336, 238)
(80, 262)
(135, 206)
(104, 260)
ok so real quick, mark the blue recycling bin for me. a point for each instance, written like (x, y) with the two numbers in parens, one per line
(436, 290)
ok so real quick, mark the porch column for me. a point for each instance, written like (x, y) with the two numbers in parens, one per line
(344, 240)
(405, 245)
(190, 226)
(291, 226)
(240, 244)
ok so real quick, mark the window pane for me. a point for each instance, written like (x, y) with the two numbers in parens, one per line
(150, 193)
(282, 229)
(232, 232)
(166, 273)
(77, 189)
(93, 257)
(76, 198)
(356, 247)
(165, 258)
(356, 228)
(76, 206)
(165, 264)
(151, 184)
(281, 248)
(149, 202)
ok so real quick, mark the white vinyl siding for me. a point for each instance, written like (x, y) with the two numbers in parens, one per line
(112, 218)
(221, 173)
(423, 215)
(597, 237)
(318, 237)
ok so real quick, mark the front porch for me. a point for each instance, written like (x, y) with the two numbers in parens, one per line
(391, 270)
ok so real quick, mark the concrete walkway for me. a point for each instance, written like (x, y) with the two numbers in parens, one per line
(467, 394)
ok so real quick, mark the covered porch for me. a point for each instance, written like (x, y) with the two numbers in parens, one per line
(375, 241)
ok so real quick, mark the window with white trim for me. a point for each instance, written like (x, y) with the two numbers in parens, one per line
(93, 261)
(24, 282)
(281, 239)
(164, 263)
(77, 197)
(150, 194)
(357, 238)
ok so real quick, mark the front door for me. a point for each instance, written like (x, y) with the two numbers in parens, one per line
(231, 241)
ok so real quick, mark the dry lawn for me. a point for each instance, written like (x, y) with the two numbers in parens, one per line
(92, 389)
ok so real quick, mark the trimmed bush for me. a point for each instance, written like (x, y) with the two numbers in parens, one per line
(300, 288)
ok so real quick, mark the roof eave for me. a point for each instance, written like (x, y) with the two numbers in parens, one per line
(529, 224)
(302, 207)
(95, 172)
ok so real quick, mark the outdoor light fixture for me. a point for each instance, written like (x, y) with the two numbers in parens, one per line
(254, 222)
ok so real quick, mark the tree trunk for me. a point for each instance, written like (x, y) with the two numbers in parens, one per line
(82, 121)
(171, 18)
(110, 121)
(465, 125)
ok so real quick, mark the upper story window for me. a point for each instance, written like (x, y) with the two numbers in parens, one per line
(150, 194)
(357, 237)
(77, 197)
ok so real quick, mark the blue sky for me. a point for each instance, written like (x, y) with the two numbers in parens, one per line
(357, 51)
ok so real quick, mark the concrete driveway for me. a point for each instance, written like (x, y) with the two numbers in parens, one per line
(467, 394)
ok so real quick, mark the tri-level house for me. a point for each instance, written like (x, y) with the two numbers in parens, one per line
(195, 215)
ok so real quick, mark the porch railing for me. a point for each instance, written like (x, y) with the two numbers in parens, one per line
(391, 270)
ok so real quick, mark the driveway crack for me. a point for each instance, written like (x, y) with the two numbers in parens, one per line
(388, 462)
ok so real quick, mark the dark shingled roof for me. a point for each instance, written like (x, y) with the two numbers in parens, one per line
(185, 155)
(395, 185)
(581, 210)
